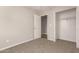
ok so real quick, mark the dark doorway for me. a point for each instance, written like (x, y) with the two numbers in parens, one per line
(44, 26)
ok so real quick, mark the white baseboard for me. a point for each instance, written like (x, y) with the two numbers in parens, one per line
(52, 40)
(36, 38)
(77, 45)
(68, 40)
(15, 44)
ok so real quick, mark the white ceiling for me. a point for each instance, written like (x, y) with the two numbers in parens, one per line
(41, 8)
(46, 9)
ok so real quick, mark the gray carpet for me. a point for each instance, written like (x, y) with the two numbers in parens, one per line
(44, 46)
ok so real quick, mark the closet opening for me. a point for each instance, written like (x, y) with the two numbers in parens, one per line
(66, 25)
(44, 26)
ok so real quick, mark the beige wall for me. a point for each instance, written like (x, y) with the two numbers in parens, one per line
(37, 26)
(16, 26)
(51, 26)
(77, 27)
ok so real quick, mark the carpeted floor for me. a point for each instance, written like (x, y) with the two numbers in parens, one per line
(44, 46)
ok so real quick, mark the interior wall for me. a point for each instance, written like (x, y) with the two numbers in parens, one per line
(66, 25)
(77, 27)
(43, 24)
(16, 26)
(37, 26)
(51, 26)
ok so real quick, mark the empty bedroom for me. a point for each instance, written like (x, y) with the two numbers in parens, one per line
(39, 29)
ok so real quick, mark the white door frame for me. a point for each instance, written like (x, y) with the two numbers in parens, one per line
(37, 26)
